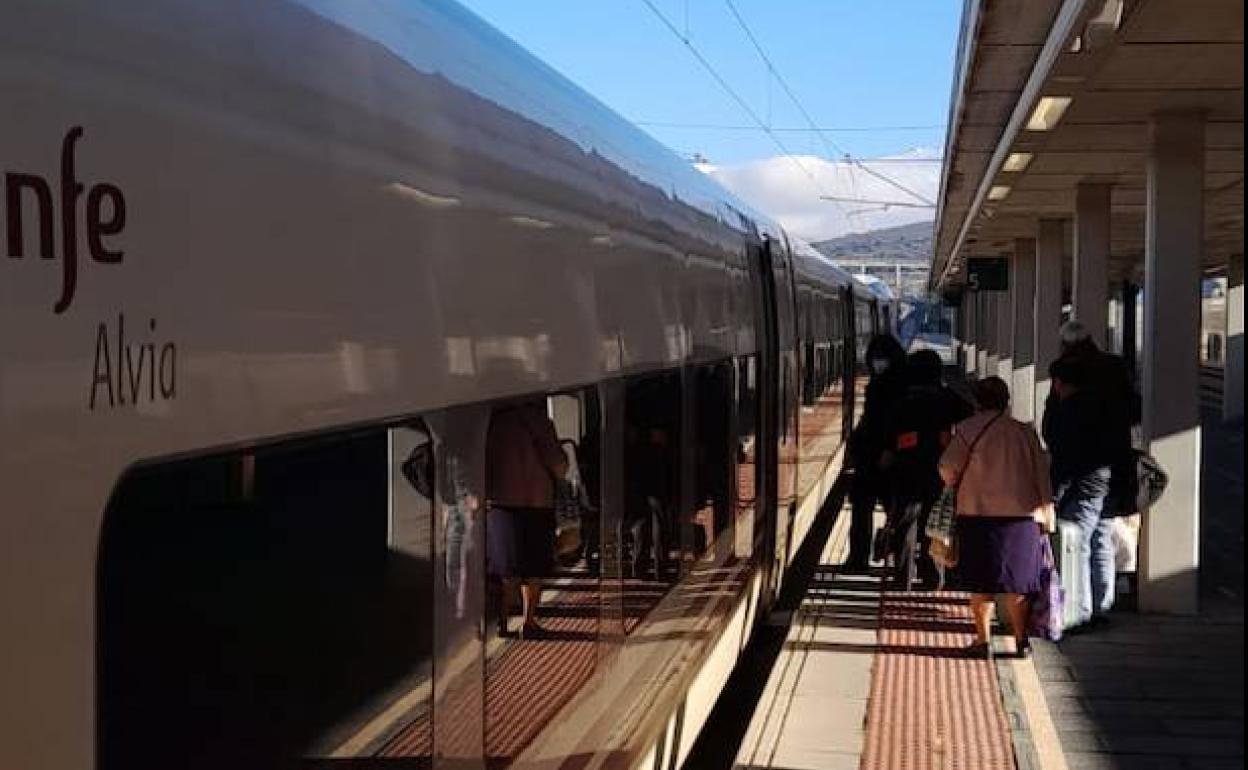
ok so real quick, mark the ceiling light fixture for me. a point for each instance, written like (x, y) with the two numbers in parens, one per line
(999, 192)
(1048, 113)
(1017, 162)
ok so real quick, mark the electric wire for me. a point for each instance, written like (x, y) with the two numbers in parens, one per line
(828, 143)
(732, 93)
(787, 129)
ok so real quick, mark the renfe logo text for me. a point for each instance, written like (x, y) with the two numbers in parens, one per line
(32, 215)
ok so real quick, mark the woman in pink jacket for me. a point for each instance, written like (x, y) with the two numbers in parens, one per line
(1004, 507)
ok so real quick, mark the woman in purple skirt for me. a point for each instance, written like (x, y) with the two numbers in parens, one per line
(1005, 507)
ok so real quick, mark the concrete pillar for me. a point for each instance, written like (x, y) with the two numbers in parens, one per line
(1005, 329)
(1050, 252)
(1023, 290)
(992, 300)
(982, 341)
(968, 325)
(1233, 384)
(1091, 273)
(1174, 245)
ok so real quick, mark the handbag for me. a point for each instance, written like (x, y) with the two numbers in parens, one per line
(1048, 604)
(942, 522)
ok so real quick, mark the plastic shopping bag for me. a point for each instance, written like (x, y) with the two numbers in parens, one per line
(1047, 604)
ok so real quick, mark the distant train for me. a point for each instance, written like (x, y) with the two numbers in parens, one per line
(271, 270)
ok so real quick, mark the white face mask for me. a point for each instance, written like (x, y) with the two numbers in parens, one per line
(879, 365)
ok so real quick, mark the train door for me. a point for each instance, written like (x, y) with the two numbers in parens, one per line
(763, 290)
(849, 361)
(788, 407)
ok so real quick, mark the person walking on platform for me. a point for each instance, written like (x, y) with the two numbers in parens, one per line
(886, 361)
(1079, 432)
(1004, 507)
(1110, 382)
(920, 428)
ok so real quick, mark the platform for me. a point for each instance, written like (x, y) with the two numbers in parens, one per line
(865, 678)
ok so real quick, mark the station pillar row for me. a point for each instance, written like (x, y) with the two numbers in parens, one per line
(1005, 328)
(1091, 262)
(992, 349)
(969, 322)
(983, 341)
(1047, 315)
(1023, 300)
(1174, 242)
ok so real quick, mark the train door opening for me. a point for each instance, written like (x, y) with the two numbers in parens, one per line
(762, 280)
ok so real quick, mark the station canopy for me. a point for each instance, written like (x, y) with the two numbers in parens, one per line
(1049, 94)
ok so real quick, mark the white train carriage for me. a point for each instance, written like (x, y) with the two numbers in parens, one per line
(269, 270)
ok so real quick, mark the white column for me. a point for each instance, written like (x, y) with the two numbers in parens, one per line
(1023, 290)
(969, 311)
(1174, 244)
(1005, 329)
(1091, 268)
(1047, 318)
(982, 340)
(992, 300)
(1233, 384)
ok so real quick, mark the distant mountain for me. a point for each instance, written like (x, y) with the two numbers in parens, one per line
(904, 243)
(789, 189)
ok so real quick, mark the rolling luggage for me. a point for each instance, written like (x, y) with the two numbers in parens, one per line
(1072, 568)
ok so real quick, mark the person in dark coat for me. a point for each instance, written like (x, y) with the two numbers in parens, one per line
(1077, 430)
(886, 361)
(920, 428)
(1108, 381)
(1087, 423)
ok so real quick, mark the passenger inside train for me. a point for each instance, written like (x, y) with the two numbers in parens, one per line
(523, 465)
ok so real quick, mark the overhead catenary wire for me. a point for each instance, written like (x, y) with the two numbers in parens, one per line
(732, 93)
(828, 143)
(787, 129)
(775, 74)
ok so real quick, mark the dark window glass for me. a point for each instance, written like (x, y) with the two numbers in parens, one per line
(269, 605)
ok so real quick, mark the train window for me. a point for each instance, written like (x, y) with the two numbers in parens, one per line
(652, 510)
(543, 562)
(748, 417)
(712, 459)
(261, 606)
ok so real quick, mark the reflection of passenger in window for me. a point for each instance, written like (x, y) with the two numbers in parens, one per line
(651, 445)
(713, 441)
(523, 461)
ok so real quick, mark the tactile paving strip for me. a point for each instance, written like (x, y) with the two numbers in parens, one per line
(931, 706)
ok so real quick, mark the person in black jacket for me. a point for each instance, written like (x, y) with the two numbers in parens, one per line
(886, 361)
(1079, 430)
(919, 430)
(1107, 379)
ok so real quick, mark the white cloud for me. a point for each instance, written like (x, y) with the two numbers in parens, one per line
(783, 189)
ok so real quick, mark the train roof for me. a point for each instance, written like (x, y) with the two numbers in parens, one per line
(876, 287)
(533, 89)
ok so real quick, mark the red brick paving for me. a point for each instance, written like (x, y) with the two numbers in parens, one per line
(932, 707)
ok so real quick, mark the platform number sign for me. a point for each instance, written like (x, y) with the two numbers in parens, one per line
(988, 274)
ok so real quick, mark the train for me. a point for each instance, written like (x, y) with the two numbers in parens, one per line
(271, 271)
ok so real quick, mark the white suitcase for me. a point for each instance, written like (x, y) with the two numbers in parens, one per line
(1073, 569)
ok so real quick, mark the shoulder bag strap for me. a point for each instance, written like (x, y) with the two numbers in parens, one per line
(970, 447)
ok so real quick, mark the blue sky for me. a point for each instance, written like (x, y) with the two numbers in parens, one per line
(853, 63)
